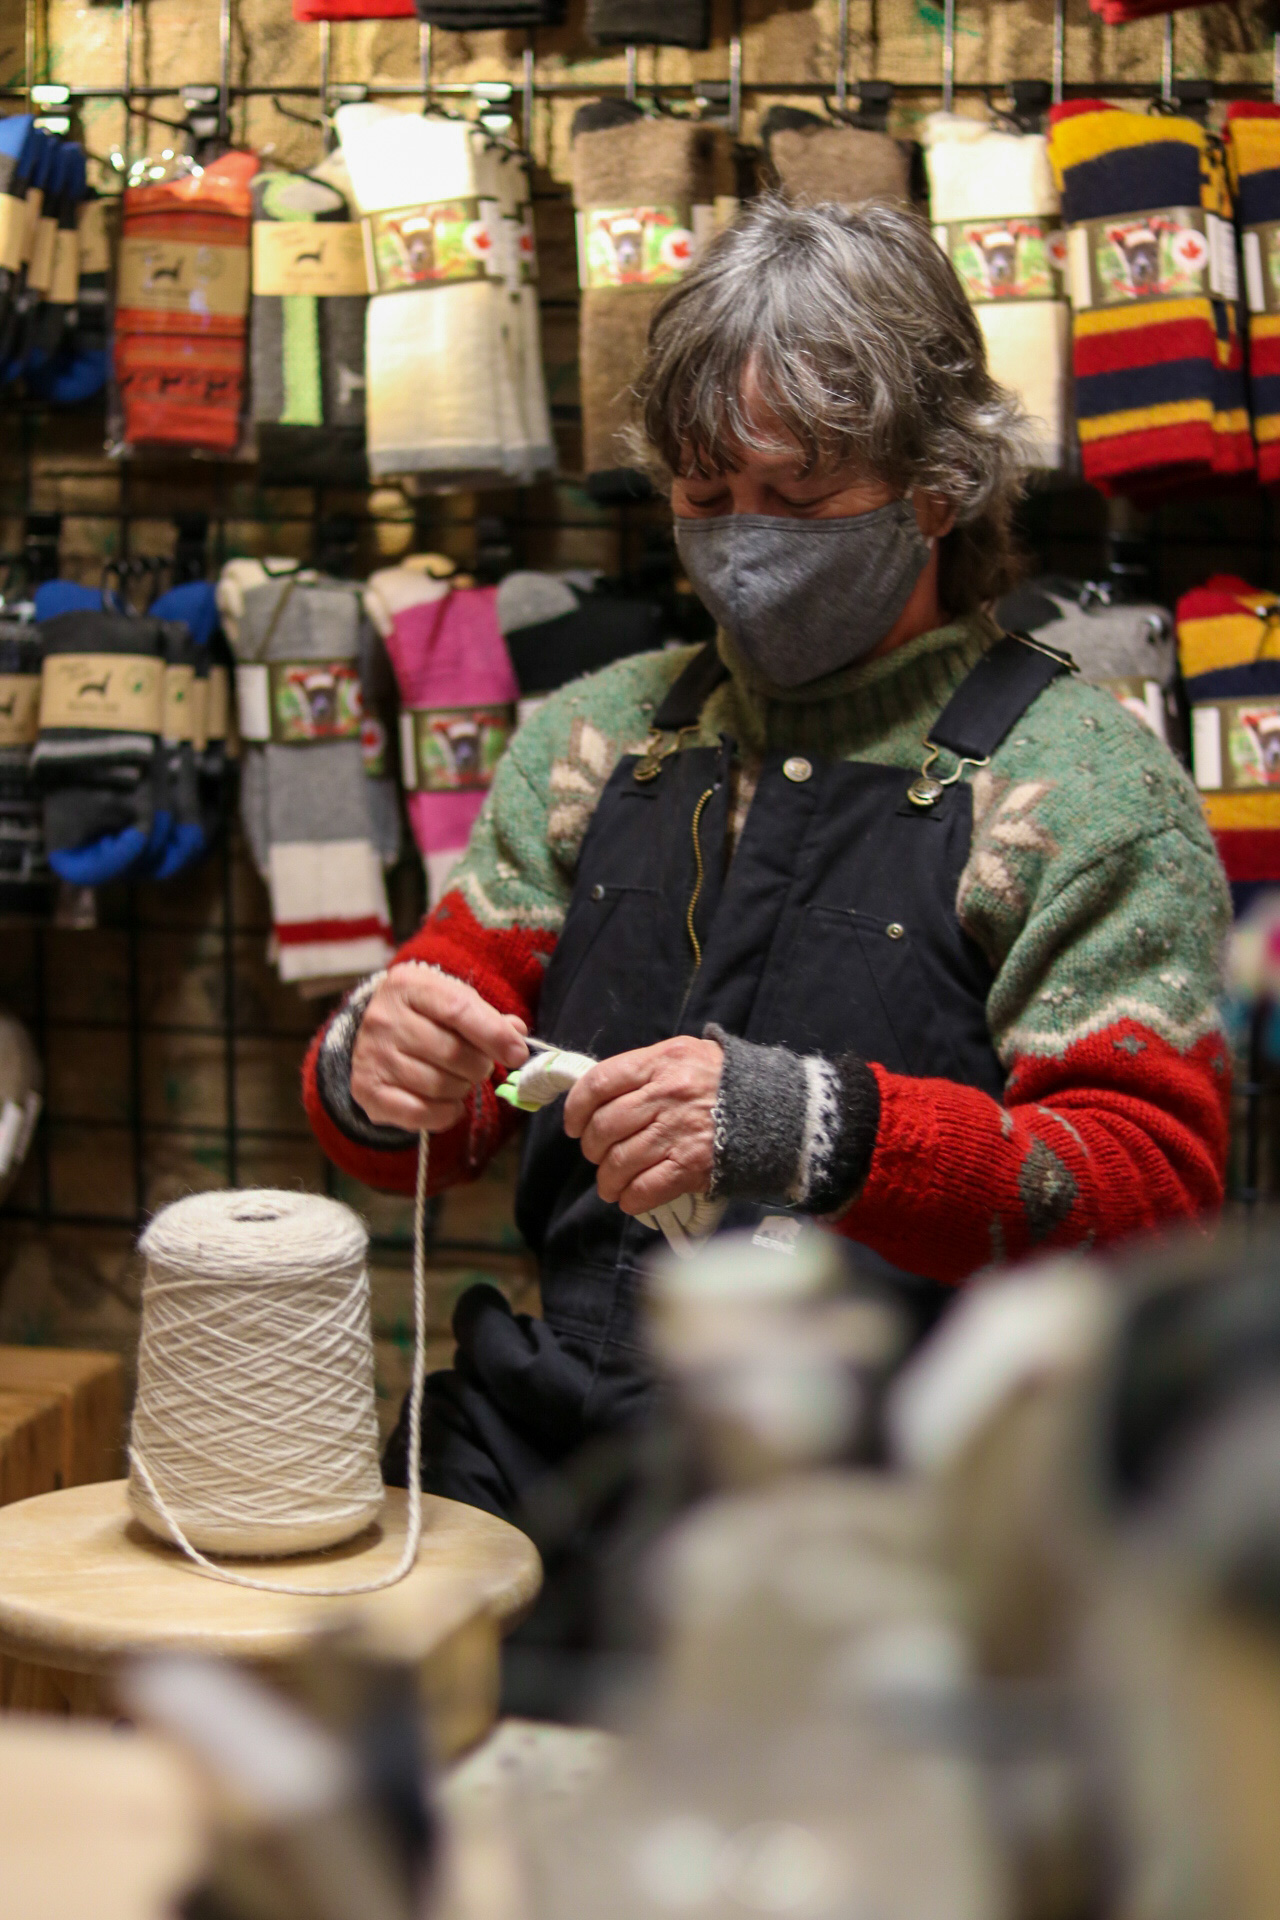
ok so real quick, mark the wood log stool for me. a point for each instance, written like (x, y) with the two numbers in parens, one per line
(83, 1585)
(30, 1445)
(90, 1390)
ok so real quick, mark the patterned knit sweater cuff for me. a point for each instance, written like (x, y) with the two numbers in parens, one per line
(792, 1129)
(333, 1074)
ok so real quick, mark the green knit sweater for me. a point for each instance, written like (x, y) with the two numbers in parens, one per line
(1092, 887)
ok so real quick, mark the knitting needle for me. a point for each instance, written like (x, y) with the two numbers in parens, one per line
(1059, 49)
(735, 73)
(326, 53)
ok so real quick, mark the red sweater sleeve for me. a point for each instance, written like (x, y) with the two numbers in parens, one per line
(1117, 1133)
(506, 966)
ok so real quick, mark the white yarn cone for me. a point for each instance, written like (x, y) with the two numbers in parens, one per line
(255, 1421)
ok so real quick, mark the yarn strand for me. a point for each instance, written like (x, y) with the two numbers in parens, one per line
(413, 1534)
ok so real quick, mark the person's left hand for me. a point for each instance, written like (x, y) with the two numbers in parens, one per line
(645, 1120)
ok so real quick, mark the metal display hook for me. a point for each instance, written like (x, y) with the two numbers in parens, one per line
(1059, 79)
(948, 56)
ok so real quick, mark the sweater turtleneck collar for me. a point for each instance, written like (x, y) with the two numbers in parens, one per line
(880, 707)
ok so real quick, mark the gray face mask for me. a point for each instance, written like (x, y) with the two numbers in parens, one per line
(803, 598)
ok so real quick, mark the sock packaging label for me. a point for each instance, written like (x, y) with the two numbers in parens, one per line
(321, 258)
(435, 243)
(104, 692)
(200, 279)
(452, 749)
(1171, 253)
(1001, 260)
(19, 709)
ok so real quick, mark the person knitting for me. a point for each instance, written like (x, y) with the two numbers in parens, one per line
(867, 911)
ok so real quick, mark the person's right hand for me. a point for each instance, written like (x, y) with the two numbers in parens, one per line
(424, 1042)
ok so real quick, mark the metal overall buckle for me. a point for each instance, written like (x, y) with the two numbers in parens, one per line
(657, 750)
(928, 787)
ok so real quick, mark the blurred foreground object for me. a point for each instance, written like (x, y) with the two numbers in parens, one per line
(93, 1821)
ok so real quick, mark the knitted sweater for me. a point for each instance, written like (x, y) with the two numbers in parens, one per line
(1092, 888)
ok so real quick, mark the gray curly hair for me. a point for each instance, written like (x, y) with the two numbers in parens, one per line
(861, 343)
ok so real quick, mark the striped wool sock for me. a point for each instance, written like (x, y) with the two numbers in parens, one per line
(1158, 359)
(1229, 650)
(1253, 150)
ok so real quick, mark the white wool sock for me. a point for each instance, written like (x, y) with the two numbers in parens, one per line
(979, 173)
(436, 399)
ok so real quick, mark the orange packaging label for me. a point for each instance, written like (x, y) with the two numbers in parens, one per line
(181, 276)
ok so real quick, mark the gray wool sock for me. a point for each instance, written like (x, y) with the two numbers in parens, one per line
(527, 599)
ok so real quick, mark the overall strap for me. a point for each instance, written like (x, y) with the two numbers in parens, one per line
(686, 696)
(995, 695)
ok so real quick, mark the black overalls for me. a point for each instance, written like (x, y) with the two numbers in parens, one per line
(833, 929)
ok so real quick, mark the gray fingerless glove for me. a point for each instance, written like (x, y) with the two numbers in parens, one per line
(792, 1129)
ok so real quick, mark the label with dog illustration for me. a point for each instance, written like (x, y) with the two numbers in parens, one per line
(1016, 259)
(323, 257)
(19, 709)
(1261, 249)
(435, 243)
(202, 280)
(1235, 745)
(452, 749)
(108, 692)
(1172, 253)
(634, 246)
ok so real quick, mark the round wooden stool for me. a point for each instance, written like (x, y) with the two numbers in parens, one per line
(82, 1584)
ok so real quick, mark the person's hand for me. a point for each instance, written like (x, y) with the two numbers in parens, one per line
(645, 1120)
(424, 1042)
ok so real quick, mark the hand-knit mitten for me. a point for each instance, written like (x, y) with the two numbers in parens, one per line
(24, 873)
(790, 1129)
(101, 710)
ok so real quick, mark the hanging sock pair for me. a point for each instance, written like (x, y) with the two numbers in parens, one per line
(306, 801)
(555, 633)
(817, 163)
(1128, 648)
(1159, 367)
(647, 190)
(307, 330)
(649, 23)
(994, 207)
(76, 370)
(96, 757)
(182, 306)
(25, 884)
(1229, 651)
(457, 710)
(454, 395)
(1253, 152)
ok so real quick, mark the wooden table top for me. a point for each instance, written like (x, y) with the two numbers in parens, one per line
(95, 1821)
(82, 1583)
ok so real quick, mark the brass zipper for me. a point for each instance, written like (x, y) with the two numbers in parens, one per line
(694, 942)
